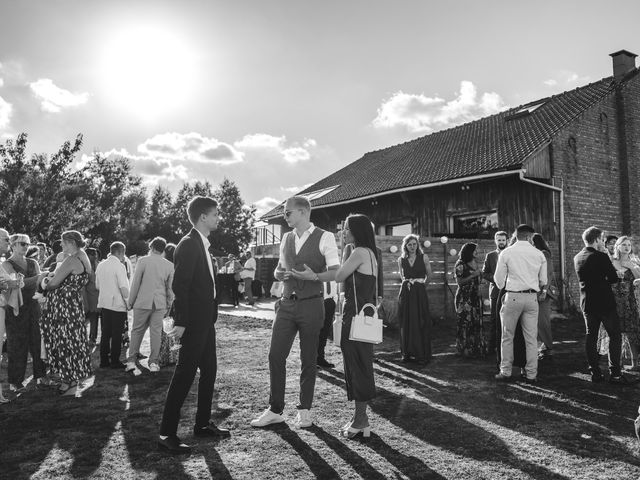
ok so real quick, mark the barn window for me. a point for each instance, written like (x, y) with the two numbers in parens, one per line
(401, 230)
(475, 224)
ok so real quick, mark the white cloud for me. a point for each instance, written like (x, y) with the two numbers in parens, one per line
(567, 79)
(295, 189)
(291, 152)
(53, 98)
(5, 113)
(265, 204)
(190, 146)
(419, 113)
(1, 82)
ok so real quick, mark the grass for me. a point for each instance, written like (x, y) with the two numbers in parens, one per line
(448, 420)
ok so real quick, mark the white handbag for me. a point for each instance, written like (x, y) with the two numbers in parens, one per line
(366, 328)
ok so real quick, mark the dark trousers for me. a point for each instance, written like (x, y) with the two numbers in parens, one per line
(329, 311)
(23, 337)
(198, 351)
(494, 337)
(92, 318)
(305, 317)
(611, 324)
(111, 338)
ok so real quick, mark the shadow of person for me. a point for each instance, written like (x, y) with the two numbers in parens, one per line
(318, 465)
(446, 430)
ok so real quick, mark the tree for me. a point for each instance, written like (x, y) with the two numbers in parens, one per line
(236, 220)
(159, 213)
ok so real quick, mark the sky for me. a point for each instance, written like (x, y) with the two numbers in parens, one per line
(277, 94)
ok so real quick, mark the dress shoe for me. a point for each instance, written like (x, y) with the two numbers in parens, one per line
(154, 367)
(118, 365)
(303, 418)
(173, 445)
(620, 380)
(17, 388)
(322, 362)
(503, 378)
(211, 430)
(130, 367)
(530, 381)
(267, 418)
(351, 432)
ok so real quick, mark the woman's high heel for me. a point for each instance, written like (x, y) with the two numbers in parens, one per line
(351, 432)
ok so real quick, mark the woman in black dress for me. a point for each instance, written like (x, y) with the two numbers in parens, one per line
(413, 304)
(470, 340)
(358, 272)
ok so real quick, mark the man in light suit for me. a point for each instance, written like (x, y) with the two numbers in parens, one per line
(151, 297)
(196, 312)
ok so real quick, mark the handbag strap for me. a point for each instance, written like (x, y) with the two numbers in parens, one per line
(353, 276)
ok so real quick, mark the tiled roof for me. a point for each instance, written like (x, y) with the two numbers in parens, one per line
(491, 144)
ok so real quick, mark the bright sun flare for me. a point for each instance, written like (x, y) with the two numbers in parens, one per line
(147, 70)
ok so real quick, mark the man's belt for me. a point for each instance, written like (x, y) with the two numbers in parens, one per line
(531, 290)
(295, 297)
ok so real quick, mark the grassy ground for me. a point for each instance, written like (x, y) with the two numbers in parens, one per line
(448, 420)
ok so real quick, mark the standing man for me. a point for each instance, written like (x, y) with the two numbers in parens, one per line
(308, 257)
(151, 298)
(488, 271)
(610, 244)
(196, 312)
(522, 268)
(113, 289)
(330, 291)
(596, 273)
(248, 274)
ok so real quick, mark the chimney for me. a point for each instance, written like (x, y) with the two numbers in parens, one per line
(623, 63)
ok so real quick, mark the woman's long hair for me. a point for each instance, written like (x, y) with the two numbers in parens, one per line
(407, 239)
(540, 243)
(466, 252)
(616, 248)
(362, 232)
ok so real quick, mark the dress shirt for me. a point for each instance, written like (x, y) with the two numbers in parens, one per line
(522, 266)
(111, 276)
(328, 247)
(250, 263)
(207, 244)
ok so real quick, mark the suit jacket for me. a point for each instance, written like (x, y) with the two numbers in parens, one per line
(195, 305)
(488, 270)
(151, 284)
(596, 273)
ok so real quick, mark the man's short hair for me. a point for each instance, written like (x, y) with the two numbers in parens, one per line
(300, 202)
(524, 229)
(158, 244)
(56, 246)
(501, 233)
(610, 238)
(200, 206)
(117, 248)
(591, 234)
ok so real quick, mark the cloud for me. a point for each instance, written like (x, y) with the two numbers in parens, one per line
(1, 82)
(53, 98)
(191, 147)
(566, 79)
(419, 113)
(295, 189)
(290, 152)
(5, 113)
(265, 204)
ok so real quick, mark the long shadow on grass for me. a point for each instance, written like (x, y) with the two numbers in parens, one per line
(318, 465)
(445, 430)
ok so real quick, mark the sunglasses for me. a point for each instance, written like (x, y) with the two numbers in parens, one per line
(22, 244)
(287, 213)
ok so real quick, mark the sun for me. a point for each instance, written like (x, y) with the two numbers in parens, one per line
(147, 70)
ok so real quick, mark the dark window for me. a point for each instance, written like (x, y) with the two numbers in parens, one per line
(475, 224)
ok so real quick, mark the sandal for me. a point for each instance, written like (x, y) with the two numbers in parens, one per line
(65, 387)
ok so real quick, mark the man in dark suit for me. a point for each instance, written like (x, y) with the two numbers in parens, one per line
(596, 274)
(196, 312)
(488, 270)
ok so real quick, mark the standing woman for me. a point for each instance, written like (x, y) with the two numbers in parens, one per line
(544, 306)
(64, 322)
(470, 336)
(90, 297)
(415, 321)
(358, 272)
(23, 328)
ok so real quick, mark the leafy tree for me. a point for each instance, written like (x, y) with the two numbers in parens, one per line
(159, 215)
(235, 227)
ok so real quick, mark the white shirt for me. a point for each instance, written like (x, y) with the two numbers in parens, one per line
(327, 246)
(207, 243)
(111, 276)
(522, 266)
(250, 263)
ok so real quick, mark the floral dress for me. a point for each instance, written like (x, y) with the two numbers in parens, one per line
(470, 335)
(64, 330)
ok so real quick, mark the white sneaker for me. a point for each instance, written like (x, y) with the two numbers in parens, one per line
(267, 418)
(303, 419)
(154, 367)
(130, 367)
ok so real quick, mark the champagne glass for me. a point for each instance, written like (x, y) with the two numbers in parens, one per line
(169, 328)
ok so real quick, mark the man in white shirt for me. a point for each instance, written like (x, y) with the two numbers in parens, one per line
(308, 257)
(522, 268)
(113, 290)
(248, 275)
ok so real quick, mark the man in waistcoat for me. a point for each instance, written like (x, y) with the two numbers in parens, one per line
(308, 257)
(488, 270)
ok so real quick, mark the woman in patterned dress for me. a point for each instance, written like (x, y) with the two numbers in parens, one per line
(470, 337)
(413, 304)
(64, 322)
